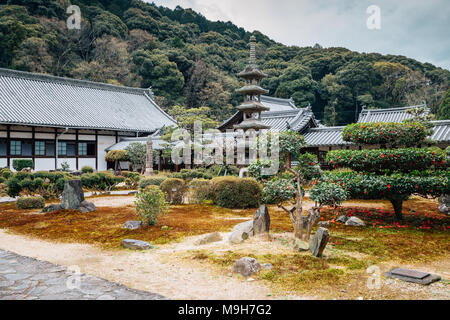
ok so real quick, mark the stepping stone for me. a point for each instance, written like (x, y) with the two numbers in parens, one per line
(413, 276)
(136, 244)
(132, 225)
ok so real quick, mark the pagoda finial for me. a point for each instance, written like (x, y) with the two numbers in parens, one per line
(252, 50)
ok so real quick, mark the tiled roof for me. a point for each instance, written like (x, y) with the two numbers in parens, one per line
(388, 115)
(325, 136)
(278, 104)
(42, 100)
(441, 131)
(332, 136)
(296, 120)
(158, 143)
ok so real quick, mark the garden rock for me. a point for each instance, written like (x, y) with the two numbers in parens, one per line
(86, 207)
(73, 195)
(132, 225)
(267, 266)
(355, 222)
(342, 219)
(246, 266)
(300, 245)
(242, 232)
(324, 223)
(319, 242)
(52, 208)
(209, 238)
(444, 204)
(136, 244)
(261, 221)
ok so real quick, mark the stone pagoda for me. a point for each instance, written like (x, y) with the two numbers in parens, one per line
(252, 91)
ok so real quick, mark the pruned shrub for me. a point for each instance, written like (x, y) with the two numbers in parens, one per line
(174, 190)
(14, 187)
(152, 181)
(100, 181)
(236, 193)
(20, 164)
(200, 190)
(31, 203)
(87, 169)
(6, 173)
(150, 203)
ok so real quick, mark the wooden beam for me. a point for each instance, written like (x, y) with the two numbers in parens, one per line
(8, 145)
(76, 150)
(96, 150)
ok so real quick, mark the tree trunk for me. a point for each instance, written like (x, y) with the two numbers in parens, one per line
(397, 203)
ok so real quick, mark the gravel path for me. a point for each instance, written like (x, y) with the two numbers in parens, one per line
(23, 278)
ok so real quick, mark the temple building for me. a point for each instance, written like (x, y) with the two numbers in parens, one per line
(53, 120)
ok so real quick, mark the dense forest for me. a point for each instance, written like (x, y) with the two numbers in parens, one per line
(191, 62)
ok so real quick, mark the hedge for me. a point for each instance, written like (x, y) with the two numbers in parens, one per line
(236, 193)
(116, 155)
(20, 164)
(389, 133)
(152, 181)
(174, 189)
(31, 203)
(100, 181)
(403, 160)
(200, 190)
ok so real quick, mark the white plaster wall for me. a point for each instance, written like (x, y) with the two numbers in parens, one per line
(44, 164)
(23, 135)
(86, 137)
(67, 136)
(3, 163)
(71, 161)
(48, 136)
(86, 162)
(3, 134)
(103, 143)
(124, 165)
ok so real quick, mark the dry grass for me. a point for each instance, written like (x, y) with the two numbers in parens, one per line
(104, 227)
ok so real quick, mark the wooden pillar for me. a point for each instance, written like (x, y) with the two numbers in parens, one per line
(160, 161)
(33, 150)
(76, 149)
(96, 150)
(8, 145)
(56, 148)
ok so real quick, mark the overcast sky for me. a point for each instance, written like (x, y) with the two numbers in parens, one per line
(415, 28)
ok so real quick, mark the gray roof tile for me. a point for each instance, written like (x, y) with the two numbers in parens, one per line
(387, 115)
(42, 100)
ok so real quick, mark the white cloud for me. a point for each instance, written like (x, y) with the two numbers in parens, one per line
(414, 28)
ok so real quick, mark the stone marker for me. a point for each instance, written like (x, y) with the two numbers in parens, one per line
(319, 242)
(149, 158)
(136, 244)
(342, 219)
(444, 204)
(209, 238)
(73, 195)
(242, 232)
(413, 276)
(355, 222)
(261, 221)
(132, 225)
(246, 266)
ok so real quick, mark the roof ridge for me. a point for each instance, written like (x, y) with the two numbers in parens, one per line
(366, 111)
(69, 81)
(276, 99)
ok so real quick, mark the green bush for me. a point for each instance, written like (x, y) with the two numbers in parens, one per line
(279, 190)
(389, 133)
(381, 160)
(6, 173)
(87, 169)
(191, 174)
(14, 187)
(31, 203)
(200, 190)
(150, 203)
(100, 181)
(236, 193)
(328, 194)
(152, 181)
(20, 164)
(174, 189)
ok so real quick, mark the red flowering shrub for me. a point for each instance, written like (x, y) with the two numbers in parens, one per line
(116, 155)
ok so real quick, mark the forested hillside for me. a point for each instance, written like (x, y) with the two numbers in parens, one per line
(192, 62)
